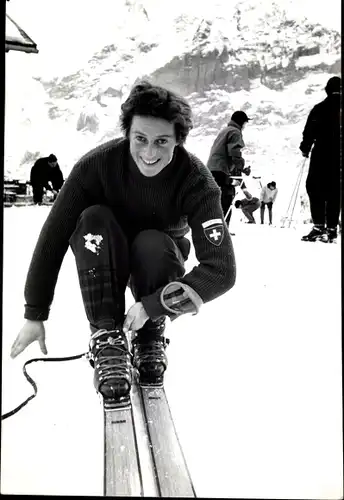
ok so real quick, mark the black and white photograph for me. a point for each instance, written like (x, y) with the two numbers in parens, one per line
(171, 257)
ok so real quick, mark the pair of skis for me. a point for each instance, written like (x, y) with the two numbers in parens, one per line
(142, 453)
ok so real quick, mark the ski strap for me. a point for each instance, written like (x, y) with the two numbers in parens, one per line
(33, 383)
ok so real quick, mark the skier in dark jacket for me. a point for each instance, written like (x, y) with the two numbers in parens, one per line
(45, 175)
(125, 210)
(225, 159)
(322, 131)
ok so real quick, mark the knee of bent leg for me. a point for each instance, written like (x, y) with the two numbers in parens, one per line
(96, 213)
(150, 243)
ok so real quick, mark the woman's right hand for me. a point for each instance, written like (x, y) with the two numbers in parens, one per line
(31, 331)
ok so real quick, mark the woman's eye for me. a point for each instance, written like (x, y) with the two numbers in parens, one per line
(143, 140)
(140, 138)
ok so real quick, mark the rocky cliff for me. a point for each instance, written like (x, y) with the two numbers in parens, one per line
(197, 54)
(212, 56)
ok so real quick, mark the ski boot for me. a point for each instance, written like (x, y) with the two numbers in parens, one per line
(111, 359)
(331, 234)
(149, 356)
(318, 233)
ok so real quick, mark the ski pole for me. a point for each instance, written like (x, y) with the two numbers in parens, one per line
(297, 192)
(258, 179)
(235, 177)
(294, 195)
(285, 218)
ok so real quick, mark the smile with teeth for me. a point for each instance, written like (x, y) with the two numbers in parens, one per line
(150, 162)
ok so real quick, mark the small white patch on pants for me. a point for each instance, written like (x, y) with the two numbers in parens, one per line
(92, 272)
(92, 242)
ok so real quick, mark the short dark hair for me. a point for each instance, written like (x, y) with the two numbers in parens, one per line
(333, 85)
(52, 158)
(240, 117)
(146, 99)
(238, 203)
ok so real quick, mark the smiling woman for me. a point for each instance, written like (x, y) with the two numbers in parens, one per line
(133, 200)
(152, 143)
(155, 121)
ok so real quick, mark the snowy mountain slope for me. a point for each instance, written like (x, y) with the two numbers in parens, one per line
(264, 57)
(189, 52)
(277, 382)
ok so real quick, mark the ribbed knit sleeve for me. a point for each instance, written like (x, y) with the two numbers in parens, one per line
(53, 240)
(216, 272)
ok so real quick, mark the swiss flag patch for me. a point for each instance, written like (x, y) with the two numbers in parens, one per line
(214, 231)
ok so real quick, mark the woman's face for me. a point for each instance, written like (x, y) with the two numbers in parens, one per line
(152, 142)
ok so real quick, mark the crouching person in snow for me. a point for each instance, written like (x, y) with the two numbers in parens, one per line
(125, 210)
(267, 197)
(45, 175)
(248, 205)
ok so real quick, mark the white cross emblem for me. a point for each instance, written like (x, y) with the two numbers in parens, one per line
(215, 234)
(214, 231)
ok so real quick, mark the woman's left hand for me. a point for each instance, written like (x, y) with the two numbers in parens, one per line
(136, 318)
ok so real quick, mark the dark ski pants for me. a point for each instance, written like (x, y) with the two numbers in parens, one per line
(249, 209)
(262, 210)
(324, 205)
(227, 193)
(37, 191)
(107, 261)
(226, 203)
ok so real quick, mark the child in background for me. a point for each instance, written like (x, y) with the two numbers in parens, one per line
(267, 197)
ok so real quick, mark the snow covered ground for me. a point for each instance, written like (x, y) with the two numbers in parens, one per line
(254, 381)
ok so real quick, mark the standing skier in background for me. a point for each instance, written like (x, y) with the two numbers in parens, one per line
(225, 159)
(267, 197)
(45, 175)
(125, 210)
(322, 131)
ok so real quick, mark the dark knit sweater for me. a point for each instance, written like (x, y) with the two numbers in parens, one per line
(182, 196)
